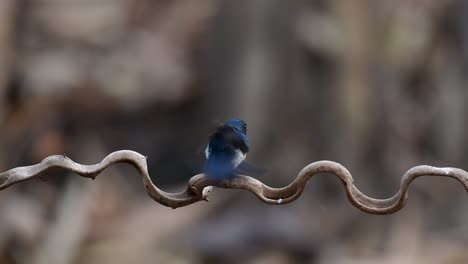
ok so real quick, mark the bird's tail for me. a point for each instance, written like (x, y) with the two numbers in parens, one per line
(249, 169)
(219, 167)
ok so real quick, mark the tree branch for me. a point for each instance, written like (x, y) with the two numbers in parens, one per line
(200, 186)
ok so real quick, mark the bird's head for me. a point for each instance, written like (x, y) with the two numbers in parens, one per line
(239, 125)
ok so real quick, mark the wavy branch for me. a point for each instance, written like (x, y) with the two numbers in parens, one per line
(200, 186)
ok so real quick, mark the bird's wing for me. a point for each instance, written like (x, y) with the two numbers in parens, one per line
(232, 138)
(246, 168)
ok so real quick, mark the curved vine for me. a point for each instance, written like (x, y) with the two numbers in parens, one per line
(200, 186)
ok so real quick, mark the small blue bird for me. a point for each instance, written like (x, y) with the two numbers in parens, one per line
(227, 149)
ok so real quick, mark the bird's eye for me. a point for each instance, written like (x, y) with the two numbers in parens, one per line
(244, 127)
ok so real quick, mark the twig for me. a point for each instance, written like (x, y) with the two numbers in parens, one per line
(200, 186)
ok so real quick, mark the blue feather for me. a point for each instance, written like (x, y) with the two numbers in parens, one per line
(226, 149)
(219, 165)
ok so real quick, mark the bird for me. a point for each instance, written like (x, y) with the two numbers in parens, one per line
(227, 148)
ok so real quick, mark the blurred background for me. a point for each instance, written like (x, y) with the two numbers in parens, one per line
(377, 85)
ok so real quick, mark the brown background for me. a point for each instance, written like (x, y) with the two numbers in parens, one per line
(379, 86)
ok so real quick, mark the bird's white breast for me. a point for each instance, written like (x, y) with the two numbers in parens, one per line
(207, 152)
(238, 157)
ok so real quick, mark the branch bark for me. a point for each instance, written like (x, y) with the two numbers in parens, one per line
(200, 186)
